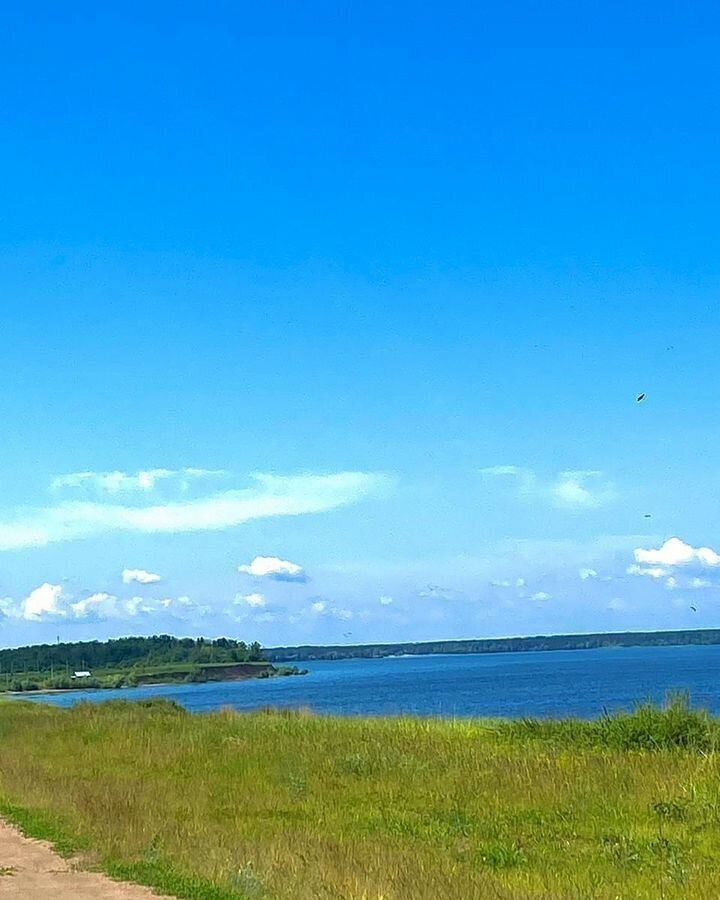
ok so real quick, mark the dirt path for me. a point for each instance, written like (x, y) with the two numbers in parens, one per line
(31, 870)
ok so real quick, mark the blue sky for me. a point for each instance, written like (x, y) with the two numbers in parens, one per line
(326, 322)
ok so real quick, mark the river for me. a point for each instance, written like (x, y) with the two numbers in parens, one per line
(559, 683)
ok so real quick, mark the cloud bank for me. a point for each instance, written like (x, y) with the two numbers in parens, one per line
(51, 603)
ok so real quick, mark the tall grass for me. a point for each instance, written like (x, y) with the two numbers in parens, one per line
(300, 807)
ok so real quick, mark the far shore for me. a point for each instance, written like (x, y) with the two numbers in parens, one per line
(275, 673)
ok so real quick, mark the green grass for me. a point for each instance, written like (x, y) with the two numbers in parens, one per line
(299, 807)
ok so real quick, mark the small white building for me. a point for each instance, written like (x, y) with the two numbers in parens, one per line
(81, 674)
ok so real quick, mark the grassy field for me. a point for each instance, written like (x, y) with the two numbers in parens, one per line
(299, 807)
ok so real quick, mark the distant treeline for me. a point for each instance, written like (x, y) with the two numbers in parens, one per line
(125, 653)
(500, 645)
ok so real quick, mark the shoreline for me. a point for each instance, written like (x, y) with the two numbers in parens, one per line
(132, 687)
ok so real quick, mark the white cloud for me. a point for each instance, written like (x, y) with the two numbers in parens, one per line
(672, 582)
(138, 605)
(143, 481)
(501, 583)
(586, 574)
(100, 605)
(183, 607)
(49, 602)
(44, 602)
(250, 599)
(139, 575)
(616, 604)
(570, 489)
(272, 495)
(650, 571)
(8, 608)
(697, 583)
(385, 600)
(675, 552)
(324, 608)
(275, 568)
(520, 582)
(542, 596)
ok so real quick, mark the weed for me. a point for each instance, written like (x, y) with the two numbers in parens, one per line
(672, 810)
(502, 856)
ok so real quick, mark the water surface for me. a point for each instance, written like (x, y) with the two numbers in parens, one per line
(559, 683)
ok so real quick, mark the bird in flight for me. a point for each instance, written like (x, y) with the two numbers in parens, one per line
(693, 609)
(641, 397)
(647, 516)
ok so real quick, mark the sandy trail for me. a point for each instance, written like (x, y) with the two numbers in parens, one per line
(31, 870)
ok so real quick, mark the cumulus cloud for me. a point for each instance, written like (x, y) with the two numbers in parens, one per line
(138, 605)
(541, 596)
(385, 600)
(570, 489)
(100, 605)
(49, 602)
(44, 602)
(140, 576)
(254, 600)
(274, 568)
(675, 552)
(586, 574)
(143, 481)
(270, 495)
